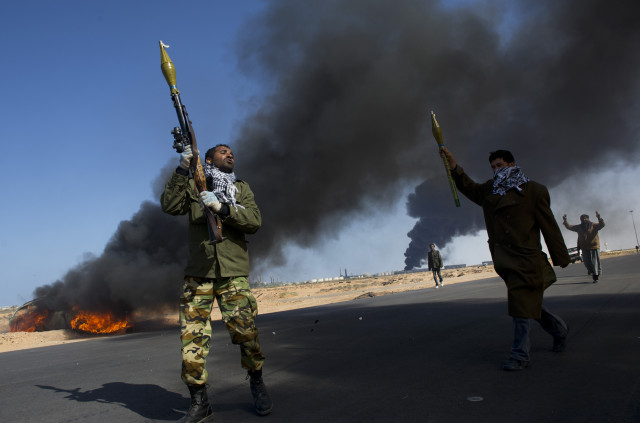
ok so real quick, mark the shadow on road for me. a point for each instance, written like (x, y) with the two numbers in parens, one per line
(149, 401)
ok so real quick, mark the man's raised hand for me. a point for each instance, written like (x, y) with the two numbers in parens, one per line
(185, 157)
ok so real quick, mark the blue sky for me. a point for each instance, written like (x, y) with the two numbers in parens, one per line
(86, 129)
(87, 118)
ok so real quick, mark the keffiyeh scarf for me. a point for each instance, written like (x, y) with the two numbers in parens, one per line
(221, 184)
(506, 178)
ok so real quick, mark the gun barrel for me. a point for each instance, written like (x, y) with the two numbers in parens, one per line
(452, 184)
(187, 136)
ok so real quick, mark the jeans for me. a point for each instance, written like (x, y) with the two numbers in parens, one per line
(439, 275)
(550, 322)
(591, 259)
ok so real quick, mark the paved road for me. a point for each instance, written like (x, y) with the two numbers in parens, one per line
(421, 356)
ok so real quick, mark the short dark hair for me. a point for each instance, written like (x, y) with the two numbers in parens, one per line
(502, 154)
(210, 152)
(584, 216)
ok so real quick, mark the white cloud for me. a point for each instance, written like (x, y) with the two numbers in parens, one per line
(374, 243)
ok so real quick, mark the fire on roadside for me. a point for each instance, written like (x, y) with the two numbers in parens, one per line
(99, 322)
(32, 317)
(31, 320)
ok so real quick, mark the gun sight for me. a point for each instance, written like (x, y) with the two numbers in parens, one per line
(178, 139)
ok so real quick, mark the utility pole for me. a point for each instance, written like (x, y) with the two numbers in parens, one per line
(634, 227)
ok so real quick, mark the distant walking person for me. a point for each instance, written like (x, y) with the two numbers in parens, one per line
(434, 260)
(588, 242)
(516, 210)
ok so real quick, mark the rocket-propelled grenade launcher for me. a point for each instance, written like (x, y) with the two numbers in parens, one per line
(437, 134)
(184, 136)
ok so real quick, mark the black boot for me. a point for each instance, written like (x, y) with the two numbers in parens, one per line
(261, 399)
(200, 408)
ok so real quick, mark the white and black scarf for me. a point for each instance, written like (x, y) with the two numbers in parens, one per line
(221, 184)
(506, 178)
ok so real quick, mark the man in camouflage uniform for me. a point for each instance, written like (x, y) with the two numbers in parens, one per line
(216, 271)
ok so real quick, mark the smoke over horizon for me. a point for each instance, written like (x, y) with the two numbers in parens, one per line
(353, 81)
(345, 125)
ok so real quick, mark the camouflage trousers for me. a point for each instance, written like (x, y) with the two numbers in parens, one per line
(239, 309)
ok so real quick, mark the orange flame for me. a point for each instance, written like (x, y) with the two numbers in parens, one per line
(99, 322)
(31, 320)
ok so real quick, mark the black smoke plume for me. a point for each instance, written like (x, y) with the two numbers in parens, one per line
(141, 267)
(345, 123)
(353, 82)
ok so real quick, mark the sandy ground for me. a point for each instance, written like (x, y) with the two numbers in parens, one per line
(270, 300)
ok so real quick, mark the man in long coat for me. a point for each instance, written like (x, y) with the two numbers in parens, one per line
(516, 210)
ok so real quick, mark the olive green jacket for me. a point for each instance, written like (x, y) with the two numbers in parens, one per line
(514, 222)
(227, 258)
(434, 260)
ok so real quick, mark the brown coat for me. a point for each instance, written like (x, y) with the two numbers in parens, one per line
(588, 238)
(514, 222)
